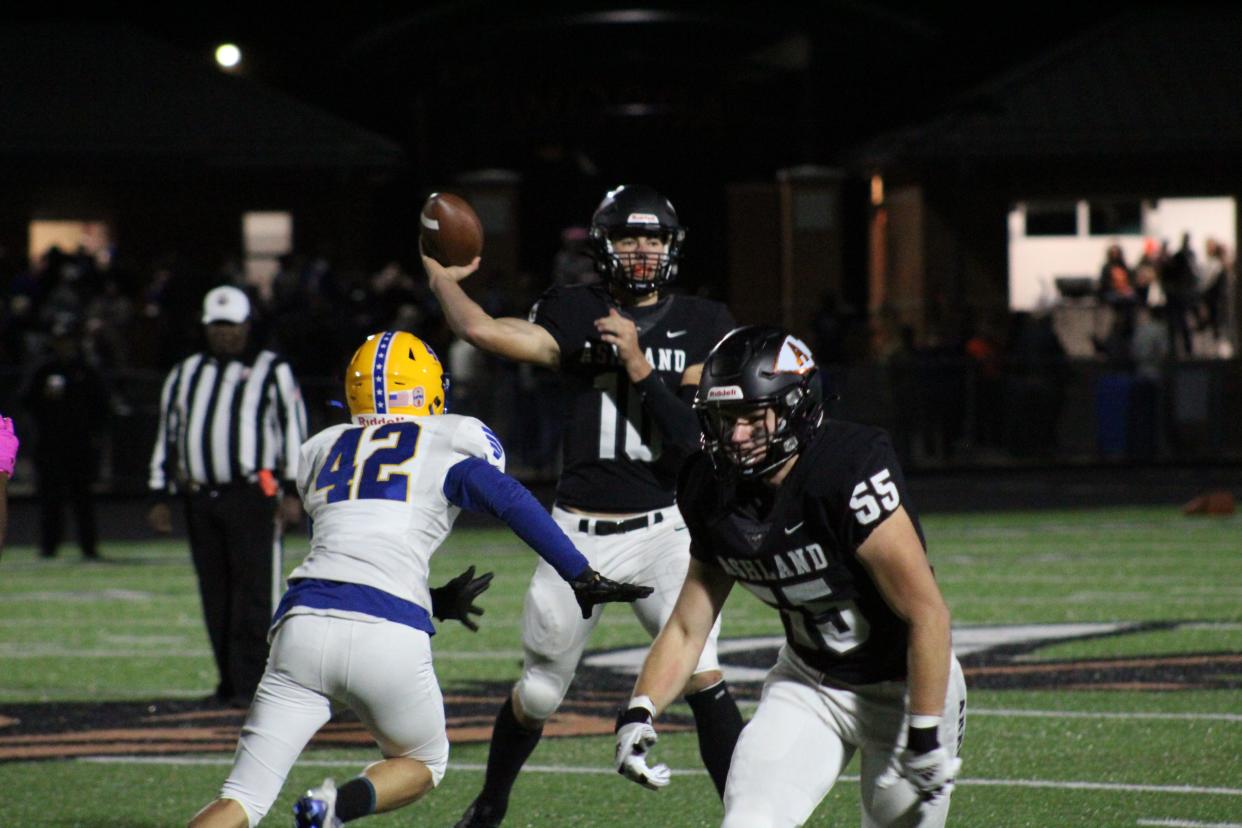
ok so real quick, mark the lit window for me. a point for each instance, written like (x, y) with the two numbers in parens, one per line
(267, 236)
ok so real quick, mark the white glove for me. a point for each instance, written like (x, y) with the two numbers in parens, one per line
(932, 774)
(635, 736)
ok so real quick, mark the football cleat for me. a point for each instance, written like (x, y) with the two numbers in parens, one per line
(318, 808)
(480, 814)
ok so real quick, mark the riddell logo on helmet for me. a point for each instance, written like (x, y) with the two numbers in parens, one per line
(642, 218)
(380, 419)
(724, 392)
(794, 357)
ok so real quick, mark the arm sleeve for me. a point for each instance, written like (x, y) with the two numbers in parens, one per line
(475, 484)
(671, 412)
(690, 483)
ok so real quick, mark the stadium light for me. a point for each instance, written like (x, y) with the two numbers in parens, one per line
(228, 56)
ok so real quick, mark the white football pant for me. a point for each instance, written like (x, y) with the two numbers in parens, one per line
(379, 669)
(803, 735)
(554, 633)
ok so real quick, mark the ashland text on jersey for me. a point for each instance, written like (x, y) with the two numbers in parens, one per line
(800, 558)
(613, 456)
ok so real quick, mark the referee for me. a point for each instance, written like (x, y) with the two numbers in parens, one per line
(231, 423)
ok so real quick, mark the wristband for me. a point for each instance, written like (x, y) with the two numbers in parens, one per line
(923, 734)
(640, 711)
(644, 702)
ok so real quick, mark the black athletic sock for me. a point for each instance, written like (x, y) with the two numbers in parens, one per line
(354, 799)
(719, 722)
(511, 747)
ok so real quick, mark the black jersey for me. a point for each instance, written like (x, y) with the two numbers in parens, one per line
(798, 555)
(611, 449)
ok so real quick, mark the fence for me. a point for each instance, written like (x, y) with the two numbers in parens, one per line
(942, 413)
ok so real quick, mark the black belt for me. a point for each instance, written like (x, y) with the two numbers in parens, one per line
(593, 526)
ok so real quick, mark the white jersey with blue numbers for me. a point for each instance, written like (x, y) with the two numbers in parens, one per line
(375, 497)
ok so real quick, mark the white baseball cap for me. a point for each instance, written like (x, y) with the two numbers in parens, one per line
(225, 304)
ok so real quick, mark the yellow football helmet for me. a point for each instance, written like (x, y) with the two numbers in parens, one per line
(395, 372)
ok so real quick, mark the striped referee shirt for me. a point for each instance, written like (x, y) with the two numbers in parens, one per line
(221, 421)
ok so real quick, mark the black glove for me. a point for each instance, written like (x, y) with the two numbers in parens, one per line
(455, 600)
(591, 588)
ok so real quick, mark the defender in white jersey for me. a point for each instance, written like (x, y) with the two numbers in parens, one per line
(354, 629)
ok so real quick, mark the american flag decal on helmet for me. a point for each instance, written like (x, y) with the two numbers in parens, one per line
(415, 397)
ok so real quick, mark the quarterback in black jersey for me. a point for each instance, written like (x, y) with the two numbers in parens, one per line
(631, 357)
(811, 516)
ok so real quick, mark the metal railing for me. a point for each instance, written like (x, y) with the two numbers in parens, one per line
(943, 413)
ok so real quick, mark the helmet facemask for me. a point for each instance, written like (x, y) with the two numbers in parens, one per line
(635, 212)
(797, 413)
(638, 271)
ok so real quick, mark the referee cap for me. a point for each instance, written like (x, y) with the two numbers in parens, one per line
(225, 304)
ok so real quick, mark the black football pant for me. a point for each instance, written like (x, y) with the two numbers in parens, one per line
(232, 533)
(59, 482)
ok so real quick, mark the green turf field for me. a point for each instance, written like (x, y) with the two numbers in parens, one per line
(1146, 730)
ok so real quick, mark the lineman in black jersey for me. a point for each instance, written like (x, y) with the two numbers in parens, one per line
(631, 358)
(811, 516)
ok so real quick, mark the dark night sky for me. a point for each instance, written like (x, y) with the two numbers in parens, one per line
(579, 97)
(729, 89)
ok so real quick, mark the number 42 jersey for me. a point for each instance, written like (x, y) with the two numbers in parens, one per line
(375, 497)
(801, 556)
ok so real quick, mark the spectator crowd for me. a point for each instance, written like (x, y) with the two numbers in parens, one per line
(950, 386)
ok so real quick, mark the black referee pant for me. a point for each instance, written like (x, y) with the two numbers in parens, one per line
(61, 479)
(232, 532)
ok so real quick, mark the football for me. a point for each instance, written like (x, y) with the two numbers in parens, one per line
(450, 230)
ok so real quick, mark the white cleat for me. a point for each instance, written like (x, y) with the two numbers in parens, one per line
(318, 808)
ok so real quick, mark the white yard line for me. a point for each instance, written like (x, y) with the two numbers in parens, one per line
(15, 651)
(162, 650)
(1091, 714)
(608, 771)
(73, 695)
(1188, 823)
(1094, 597)
(748, 705)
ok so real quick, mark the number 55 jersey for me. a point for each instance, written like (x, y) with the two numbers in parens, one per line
(376, 498)
(795, 548)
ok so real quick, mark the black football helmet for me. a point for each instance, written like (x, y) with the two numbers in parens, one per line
(758, 366)
(628, 211)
